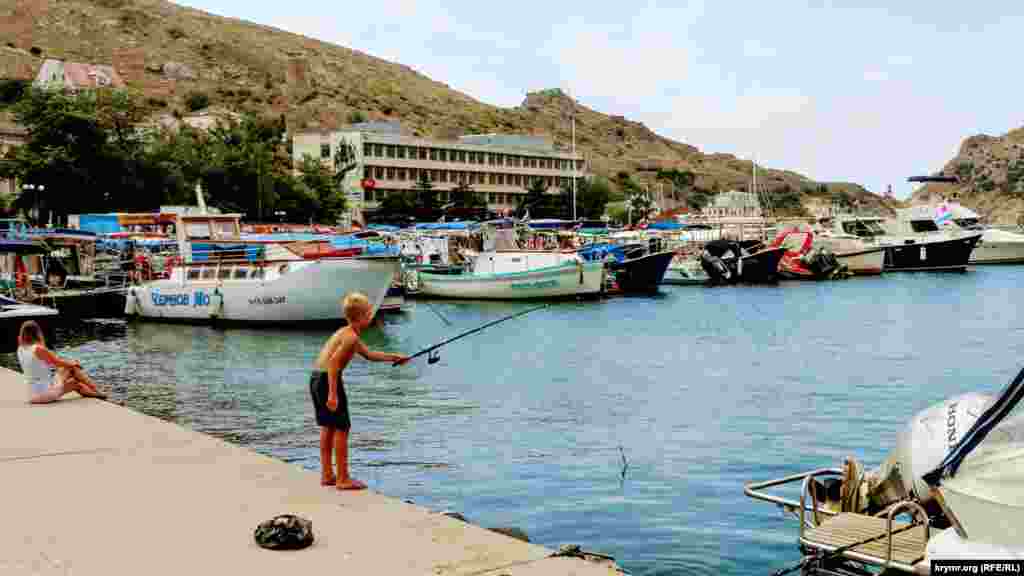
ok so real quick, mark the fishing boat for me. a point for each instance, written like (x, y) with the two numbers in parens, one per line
(912, 242)
(225, 278)
(516, 275)
(16, 286)
(732, 262)
(633, 267)
(955, 470)
(804, 259)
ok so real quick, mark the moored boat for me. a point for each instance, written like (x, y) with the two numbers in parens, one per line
(804, 259)
(730, 262)
(14, 313)
(955, 469)
(633, 267)
(225, 279)
(517, 275)
(912, 242)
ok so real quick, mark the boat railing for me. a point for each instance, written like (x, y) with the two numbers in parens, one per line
(756, 490)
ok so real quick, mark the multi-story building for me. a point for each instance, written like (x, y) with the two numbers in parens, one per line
(500, 167)
(734, 204)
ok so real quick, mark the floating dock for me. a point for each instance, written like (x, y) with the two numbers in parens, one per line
(90, 487)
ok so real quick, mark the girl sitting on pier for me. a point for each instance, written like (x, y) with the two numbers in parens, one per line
(36, 359)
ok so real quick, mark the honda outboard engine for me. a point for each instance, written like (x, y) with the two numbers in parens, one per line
(920, 447)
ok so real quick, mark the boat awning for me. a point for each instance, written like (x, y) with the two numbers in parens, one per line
(12, 246)
(1002, 416)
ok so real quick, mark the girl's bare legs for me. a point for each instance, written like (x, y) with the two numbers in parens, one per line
(75, 380)
(327, 477)
(345, 482)
(86, 386)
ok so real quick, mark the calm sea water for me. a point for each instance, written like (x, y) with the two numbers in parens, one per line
(529, 423)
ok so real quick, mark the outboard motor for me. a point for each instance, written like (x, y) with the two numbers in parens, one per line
(719, 258)
(920, 447)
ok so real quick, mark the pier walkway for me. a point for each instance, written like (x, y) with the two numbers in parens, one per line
(89, 487)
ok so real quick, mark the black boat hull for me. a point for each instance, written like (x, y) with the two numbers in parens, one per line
(942, 255)
(758, 268)
(642, 274)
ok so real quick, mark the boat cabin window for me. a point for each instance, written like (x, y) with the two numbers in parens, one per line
(193, 273)
(209, 273)
(256, 273)
(197, 229)
(924, 226)
(863, 228)
(224, 273)
(968, 222)
(225, 228)
(241, 273)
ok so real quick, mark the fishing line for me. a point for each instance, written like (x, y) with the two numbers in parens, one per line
(433, 358)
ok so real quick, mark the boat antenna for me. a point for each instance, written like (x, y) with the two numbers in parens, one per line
(433, 358)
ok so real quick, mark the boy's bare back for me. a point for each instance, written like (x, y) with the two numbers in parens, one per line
(344, 343)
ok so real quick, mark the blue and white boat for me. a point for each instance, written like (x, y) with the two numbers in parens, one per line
(230, 278)
(517, 275)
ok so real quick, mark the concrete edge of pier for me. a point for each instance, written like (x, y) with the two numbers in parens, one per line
(90, 487)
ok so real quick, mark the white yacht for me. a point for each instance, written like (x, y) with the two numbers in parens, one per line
(227, 278)
(996, 246)
(912, 241)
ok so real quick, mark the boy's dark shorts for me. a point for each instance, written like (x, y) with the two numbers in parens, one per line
(318, 389)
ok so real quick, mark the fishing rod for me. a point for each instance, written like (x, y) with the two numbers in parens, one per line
(432, 358)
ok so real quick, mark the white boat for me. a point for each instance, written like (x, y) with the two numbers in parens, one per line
(517, 275)
(996, 246)
(863, 258)
(981, 481)
(912, 241)
(685, 270)
(957, 466)
(224, 278)
(14, 313)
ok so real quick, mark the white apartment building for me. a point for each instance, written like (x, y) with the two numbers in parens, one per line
(500, 167)
(733, 204)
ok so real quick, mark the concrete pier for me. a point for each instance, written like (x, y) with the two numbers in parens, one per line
(89, 487)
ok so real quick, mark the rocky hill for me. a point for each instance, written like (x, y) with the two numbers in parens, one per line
(169, 51)
(991, 174)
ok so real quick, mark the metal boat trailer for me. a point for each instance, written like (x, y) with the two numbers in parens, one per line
(847, 543)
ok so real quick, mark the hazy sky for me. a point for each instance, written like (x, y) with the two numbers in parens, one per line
(855, 91)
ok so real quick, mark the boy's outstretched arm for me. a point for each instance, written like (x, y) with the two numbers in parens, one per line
(374, 356)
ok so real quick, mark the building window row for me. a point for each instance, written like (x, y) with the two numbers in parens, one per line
(466, 157)
(459, 177)
(444, 196)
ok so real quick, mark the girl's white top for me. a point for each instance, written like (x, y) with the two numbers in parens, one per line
(37, 372)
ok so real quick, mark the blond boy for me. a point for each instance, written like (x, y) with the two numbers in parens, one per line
(328, 391)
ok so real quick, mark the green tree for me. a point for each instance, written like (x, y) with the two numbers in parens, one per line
(326, 202)
(396, 205)
(534, 200)
(592, 195)
(426, 196)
